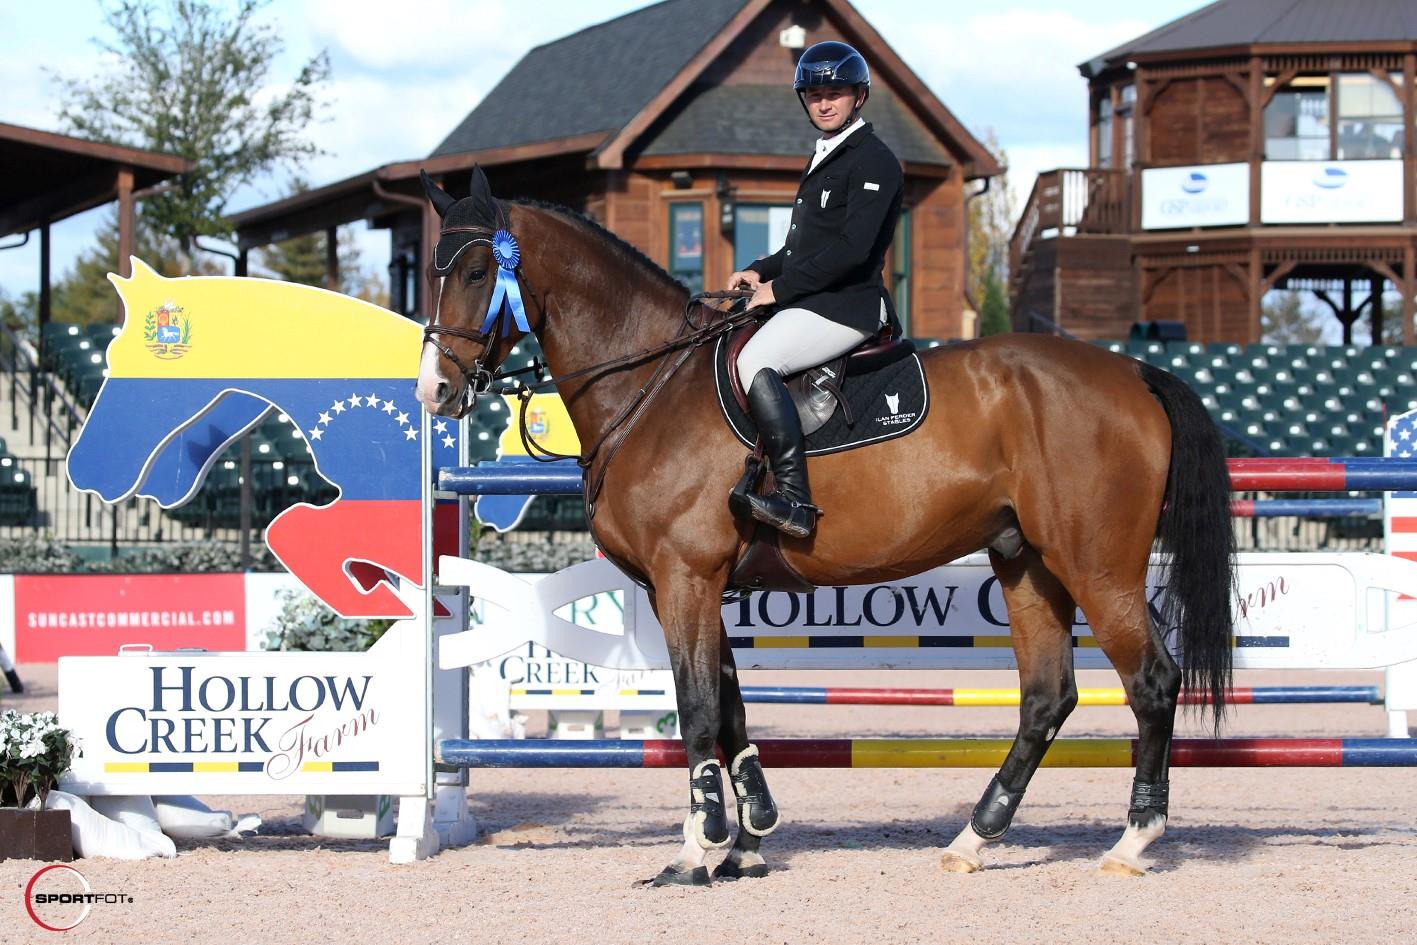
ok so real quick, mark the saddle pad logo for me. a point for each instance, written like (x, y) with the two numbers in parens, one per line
(825, 195)
(167, 333)
(896, 418)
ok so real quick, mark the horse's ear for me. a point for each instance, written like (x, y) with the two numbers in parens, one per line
(479, 189)
(480, 192)
(441, 199)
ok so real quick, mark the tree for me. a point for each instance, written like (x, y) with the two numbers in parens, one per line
(994, 310)
(990, 228)
(1392, 322)
(19, 314)
(302, 259)
(84, 295)
(197, 85)
(1284, 319)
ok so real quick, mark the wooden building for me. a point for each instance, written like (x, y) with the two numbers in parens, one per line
(1252, 145)
(50, 177)
(676, 127)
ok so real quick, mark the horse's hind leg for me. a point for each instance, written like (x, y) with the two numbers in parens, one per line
(1040, 620)
(1124, 630)
(690, 612)
(757, 813)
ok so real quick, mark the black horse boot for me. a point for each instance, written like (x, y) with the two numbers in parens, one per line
(790, 508)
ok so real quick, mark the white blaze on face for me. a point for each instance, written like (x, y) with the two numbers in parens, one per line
(430, 374)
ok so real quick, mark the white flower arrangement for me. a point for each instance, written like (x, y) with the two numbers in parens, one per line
(35, 750)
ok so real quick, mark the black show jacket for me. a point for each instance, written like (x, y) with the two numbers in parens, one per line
(843, 221)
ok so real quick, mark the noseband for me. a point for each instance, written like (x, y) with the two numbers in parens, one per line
(477, 379)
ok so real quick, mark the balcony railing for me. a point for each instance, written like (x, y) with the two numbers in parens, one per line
(1068, 201)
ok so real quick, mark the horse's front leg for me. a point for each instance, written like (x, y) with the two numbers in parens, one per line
(757, 812)
(689, 609)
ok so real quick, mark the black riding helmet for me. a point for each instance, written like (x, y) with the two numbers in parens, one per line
(831, 63)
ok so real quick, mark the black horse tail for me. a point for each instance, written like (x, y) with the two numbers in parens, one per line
(1198, 540)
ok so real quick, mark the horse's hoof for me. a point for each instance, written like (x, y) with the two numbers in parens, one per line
(960, 861)
(730, 870)
(698, 876)
(1112, 866)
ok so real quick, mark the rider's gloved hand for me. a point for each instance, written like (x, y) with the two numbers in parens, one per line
(744, 279)
(762, 296)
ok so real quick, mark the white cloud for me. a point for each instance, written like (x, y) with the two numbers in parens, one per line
(433, 33)
(1013, 70)
(1026, 161)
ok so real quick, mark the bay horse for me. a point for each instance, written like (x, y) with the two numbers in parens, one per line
(1065, 460)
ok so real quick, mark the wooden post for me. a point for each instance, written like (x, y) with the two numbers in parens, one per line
(332, 258)
(431, 224)
(1256, 274)
(44, 299)
(127, 217)
(1256, 137)
(127, 225)
(1115, 97)
(1409, 147)
(1375, 309)
(1409, 284)
(1346, 316)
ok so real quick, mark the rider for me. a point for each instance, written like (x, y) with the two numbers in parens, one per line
(826, 279)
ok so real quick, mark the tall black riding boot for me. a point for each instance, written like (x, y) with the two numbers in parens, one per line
(790, 508)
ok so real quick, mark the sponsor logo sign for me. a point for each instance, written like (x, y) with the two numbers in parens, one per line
(1204, 195)
(93, 615)
(1331, 191)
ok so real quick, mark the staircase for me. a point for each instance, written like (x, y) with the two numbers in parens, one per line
(1070, 256)
(39, 419)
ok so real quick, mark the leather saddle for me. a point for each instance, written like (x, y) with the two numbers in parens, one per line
(817, 392)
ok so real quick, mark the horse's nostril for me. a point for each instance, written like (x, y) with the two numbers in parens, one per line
(440, 393)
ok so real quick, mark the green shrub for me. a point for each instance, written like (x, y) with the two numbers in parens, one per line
(306, 624)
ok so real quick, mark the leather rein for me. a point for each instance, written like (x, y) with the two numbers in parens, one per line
(480, 380)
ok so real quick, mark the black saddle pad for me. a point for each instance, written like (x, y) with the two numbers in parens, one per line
(886, 403)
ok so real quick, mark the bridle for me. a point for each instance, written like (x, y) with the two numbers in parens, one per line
(479, 380)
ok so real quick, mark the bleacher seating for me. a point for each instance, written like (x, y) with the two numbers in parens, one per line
(1292, 400)
(18, 499)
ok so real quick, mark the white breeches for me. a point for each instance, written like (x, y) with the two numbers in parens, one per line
(793, 340)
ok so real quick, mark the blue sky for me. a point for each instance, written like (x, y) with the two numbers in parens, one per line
(399, 84)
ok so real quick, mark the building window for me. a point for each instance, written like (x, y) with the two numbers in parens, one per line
(1345, 116)
(1369, 118)
(1124, 114)
(900, 271)
(686, 244)
(1296, 121)
(1104, 130)
(759, 230)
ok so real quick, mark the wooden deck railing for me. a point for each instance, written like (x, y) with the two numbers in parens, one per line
(1068, 201)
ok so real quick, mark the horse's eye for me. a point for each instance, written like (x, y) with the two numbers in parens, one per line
(476, 275)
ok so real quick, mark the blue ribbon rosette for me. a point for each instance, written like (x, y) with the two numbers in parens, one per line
(507, 293)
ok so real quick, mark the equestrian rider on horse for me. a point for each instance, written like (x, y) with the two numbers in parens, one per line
(826, 279)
